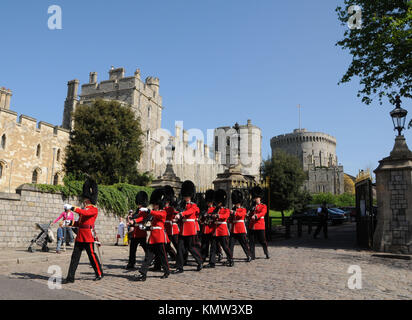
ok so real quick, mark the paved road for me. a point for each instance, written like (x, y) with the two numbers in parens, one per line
(298, 269)
(23, 289)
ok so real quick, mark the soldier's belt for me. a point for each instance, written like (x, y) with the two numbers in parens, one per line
(237, 221)
(189, 220)
(219, 222)
(157, 228)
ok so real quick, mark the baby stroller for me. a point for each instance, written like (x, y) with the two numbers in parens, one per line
(43, 238)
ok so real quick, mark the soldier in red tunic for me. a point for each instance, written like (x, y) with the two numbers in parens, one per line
(220, 229)
(206, 228)
(257, 222)
(138, 237)
(158, 237)
(188, 232)
(171, 226)
(238, 229)
(86, 236)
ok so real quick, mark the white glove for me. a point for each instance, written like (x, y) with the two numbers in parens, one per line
(68, 206)
(141, 227)
(144, 209)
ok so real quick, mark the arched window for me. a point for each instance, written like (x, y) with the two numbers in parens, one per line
(3, 141)
(149, 112)
(58, 155)
(34, 177)
(1, 170)
(38, 151)
(56, 179)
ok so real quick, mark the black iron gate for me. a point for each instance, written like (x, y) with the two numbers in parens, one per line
(365, 221)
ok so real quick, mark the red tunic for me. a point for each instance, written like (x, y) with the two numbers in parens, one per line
(137, 233)
(238, 221)
(206, 228)
(189, 219)
(158, 233)
(260, 212)
(85, 224)
(171, 227)
(221, 229)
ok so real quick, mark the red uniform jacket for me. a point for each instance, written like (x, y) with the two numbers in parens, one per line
(206, 228)
(85, 223)
(171, 227)
(260, 212)
(137, 233)
(158, 233)
(220, 229)
(238, 221)
(189, 220)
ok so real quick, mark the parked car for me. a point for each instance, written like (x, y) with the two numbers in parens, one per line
(337, 216)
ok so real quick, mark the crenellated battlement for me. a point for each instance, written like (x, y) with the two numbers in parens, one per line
(5, 97)
(9, 117)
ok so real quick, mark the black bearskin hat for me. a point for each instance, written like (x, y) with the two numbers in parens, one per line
(210, 196)
(256, 192)
(90, 190)
(188, 189)
(237, 197)
(169, 193)
(142, 199)
(220, 196)
(158, 197)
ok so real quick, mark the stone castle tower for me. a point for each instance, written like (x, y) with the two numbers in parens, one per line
(143, 97)
(317, 153)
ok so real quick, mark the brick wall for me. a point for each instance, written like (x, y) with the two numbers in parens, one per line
(20, 212)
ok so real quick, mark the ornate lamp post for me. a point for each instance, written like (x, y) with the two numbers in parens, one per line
(399, 116)
(237, 128)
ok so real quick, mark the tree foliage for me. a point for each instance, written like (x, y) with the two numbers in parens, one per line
(381, 48)
(343, 200)
(349, 185)
(105, 144)
(286, 181)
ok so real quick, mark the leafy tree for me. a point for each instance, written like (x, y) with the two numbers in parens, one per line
(349, 185)
(381, 47)
(105, 143)
(286, 181)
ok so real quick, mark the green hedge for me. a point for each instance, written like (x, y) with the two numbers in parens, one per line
(343, 200)
(118, 198)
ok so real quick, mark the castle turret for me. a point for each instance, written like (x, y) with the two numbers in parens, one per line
(93, 77)
(5, 97)
(70, 103)
(116, 74)
(153, 83)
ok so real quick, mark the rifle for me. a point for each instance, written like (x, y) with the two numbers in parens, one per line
(212, 217)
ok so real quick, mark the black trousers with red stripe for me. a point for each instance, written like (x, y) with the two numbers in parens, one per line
(77, 253)
(261, 237)
(157, 251)
(242, 239)
(134, 243)
(224, 242)
(187, 243)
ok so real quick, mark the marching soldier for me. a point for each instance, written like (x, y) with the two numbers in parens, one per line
(207, 231)
(220, 229)
(85, 236)
(257, 222)
(171, 226)
(158, 237)
(238, 230)
(187, 237)
(138, 236)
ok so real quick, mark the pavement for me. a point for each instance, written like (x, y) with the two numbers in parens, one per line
(299, 268)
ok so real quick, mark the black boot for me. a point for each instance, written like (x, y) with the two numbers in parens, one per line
(141, 277)
(165, 276)
(199, 267)
(248, 259)
(67, 281)
(177, 271)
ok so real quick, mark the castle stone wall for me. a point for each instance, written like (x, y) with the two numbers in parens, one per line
(30, 147)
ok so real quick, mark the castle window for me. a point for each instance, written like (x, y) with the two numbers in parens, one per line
(216, 143)
(3, 141)
(1, 170)
(34, 177)
(149, 112)
(58, 155)
(38, 151)
(56, 179)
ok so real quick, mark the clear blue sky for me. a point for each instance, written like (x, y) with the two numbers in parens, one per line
(219, 62)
